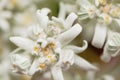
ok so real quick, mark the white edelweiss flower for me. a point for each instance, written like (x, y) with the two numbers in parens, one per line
(53, 52)
(111, 48)
(91, 75)
(39, 65)
(103, 13)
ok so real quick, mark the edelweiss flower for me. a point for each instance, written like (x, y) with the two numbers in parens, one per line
(104, 15)
(112, 47)
(103, 11)
(50, 50)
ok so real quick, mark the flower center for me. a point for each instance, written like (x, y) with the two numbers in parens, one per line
(47, 54)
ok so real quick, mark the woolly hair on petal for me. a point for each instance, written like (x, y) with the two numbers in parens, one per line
(78, 49)
(43, 17)
(72, 32)
(99, 35)
(23, 43)
(20, 61)
(57, 73)
(80, 62)
(70, 20)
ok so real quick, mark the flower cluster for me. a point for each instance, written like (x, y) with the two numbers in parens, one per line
(101, 17)
(49, 47)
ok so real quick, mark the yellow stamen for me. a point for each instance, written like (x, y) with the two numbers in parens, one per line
(103, 2)
(36, 48)
(51, 59)
(42, 66)
(51, 45)
(45, 51)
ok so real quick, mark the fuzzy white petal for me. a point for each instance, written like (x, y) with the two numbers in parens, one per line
(69, 35)
(82, 63)
(106, 57)
(43, 17)
(99, 36)
(77, 49)
(33, 67)
(23, 43)
(23, 62)
(70, 19)
(67, 56)
(57, 73)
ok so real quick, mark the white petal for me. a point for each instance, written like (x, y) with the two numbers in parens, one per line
(106, 57)
(70, 19)
(77, 49)
(62, 11)
(60, 21)
(34, 67)
(69, 35)
(82, 63)
(23, 43)
(23, 62)
(67, 56)
(112, 47)
(43, 17)
(43, 11)
(36, 29)
(57, 73)
(99, 36)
